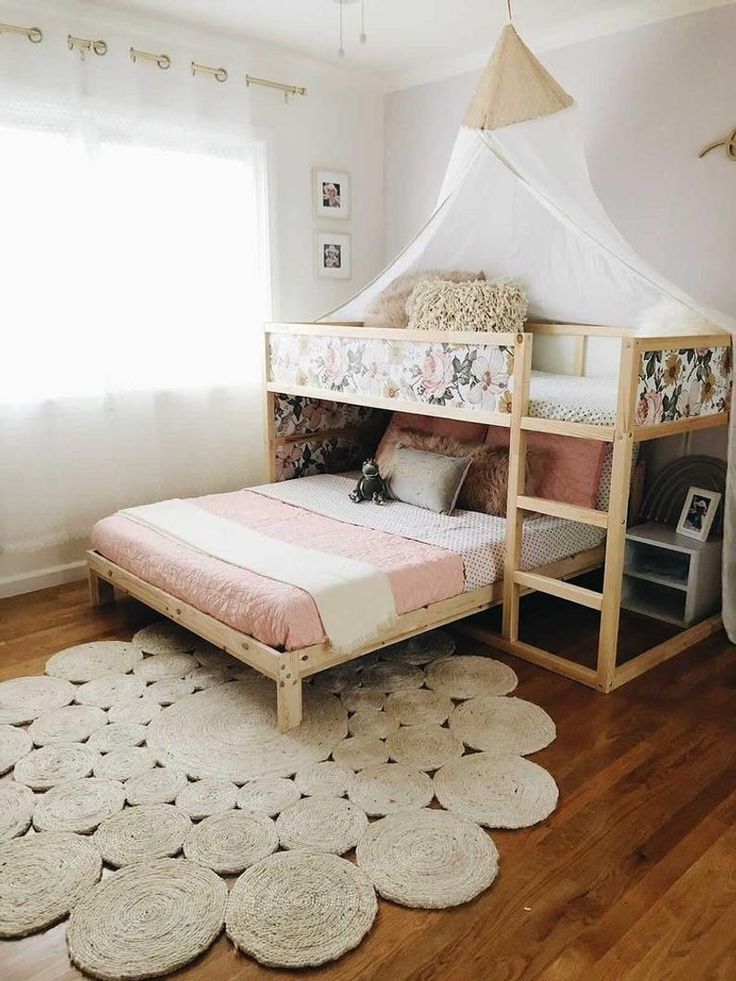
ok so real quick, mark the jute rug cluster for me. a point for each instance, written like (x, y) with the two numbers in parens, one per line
(160, 758)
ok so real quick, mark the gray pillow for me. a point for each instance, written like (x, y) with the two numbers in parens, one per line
(428, 480)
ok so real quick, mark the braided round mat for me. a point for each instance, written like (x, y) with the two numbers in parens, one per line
(425, 747)
(356, 699)
(358, 752)
(24, 699)
(96, 660)
(161, 785)
(79, 805)
(14, 744)
(209, 656)
(163, 666)
(369, 722)
(147, 920)
(104, 692)
(54, 764)
(268, 795)
(300, 909)
(321, 824)
(232, 841)
(422, 649)
(468, 675)
(427, 859)
(16, 809)
(117, 735)
(122, 764)
(140, 710)
(231, 733)
(323, 780)
(141, 834)
(393, 676)
(497, 791)
(205, 797)
(390, 787)
(170, 690)
(69, 724)
(166, 637)
(42, 877)
(211, 677)
(503, 725)
(418, 706)
(338, 679)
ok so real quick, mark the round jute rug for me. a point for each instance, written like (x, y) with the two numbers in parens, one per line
(78, 806)
(166, 637)
(161, 785)
(418, 706)
(42, 877)
(425, 747)
(104, 692)
(268, 795)
(86, 662)
(209, 677)
(232, 841)
(355, 699)
(323, 780)
(300, 909)
(338, 679)
(422, 649)
(141, 834)
(428, 858)
(147, 920)
(24, 699)
(122, 764)
(393, 676)
(503, 725)
(205, 797)
(321, 824)
(369, 722)
(358, 752)
(14, 744)
(54, 764)
(140, 710)
(16, 809)
(468, 675)
(170, 690)
(390, 787)
(230, 733)
(69, 724)
(117, 735)
(163, 666)
(497, 791)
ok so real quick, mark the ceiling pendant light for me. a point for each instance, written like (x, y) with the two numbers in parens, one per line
(363, 37)
(341, 49)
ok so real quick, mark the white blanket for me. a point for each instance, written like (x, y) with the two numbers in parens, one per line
(354, 599)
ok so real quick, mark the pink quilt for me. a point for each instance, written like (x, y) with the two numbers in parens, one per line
(273, 612)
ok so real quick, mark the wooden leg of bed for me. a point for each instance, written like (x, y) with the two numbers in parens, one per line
(288, 693)
(101, 592)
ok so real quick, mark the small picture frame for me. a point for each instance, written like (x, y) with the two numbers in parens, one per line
(331, 193)
(332, 254)
(698, 513)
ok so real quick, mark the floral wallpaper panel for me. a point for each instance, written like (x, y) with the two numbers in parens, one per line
(680, 383)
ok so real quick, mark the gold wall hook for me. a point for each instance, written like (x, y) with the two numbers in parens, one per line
(34, 34)
(288, 90)
(85, 45)
(728, 142)
(219, 73)
(163, 61)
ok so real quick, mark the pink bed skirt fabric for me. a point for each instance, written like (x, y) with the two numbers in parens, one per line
(273, 612)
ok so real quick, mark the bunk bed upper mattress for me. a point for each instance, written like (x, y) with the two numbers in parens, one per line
(572, 398)
(427, 557)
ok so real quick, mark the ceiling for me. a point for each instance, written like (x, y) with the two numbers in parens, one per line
(410, 41)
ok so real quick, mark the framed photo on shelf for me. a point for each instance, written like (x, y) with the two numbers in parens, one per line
(698, 513)
(331, 193)
(332, 253)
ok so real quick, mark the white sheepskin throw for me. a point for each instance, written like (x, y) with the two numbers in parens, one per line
(388, 309)
(671, 317)
(498, 306)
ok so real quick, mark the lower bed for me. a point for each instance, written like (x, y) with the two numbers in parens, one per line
(427, 557)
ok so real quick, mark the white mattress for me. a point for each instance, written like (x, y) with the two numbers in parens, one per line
(571, 398)
(479, 538)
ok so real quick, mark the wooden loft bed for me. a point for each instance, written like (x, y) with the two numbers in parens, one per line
(362, 372)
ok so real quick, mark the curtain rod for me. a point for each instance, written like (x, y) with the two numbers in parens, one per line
(281, 86)
(33, 34)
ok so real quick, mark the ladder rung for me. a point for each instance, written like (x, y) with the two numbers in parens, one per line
(579, 430)
(558, 587)
(558, 509)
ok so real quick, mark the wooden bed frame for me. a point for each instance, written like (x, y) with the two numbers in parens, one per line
(288, 669)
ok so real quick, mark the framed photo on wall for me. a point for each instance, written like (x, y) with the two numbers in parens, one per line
(698, 513)
(331, 193)
(332, 253)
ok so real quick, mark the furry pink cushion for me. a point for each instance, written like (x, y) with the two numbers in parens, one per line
(388, 309)
(572, 469)
(429, 434)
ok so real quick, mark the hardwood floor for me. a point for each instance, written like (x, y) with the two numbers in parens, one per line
(633, 877)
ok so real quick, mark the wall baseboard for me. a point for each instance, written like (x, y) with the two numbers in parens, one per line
(30, 582)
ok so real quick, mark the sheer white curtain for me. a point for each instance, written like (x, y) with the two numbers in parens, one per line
(134, 281)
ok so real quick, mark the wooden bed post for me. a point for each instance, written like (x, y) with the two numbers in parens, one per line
(101, 592)
(517, 484)
(289, 692)
(618, 507)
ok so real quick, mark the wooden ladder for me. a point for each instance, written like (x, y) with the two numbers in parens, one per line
(607, 602)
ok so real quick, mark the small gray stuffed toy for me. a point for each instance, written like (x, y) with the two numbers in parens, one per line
(371, 486)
